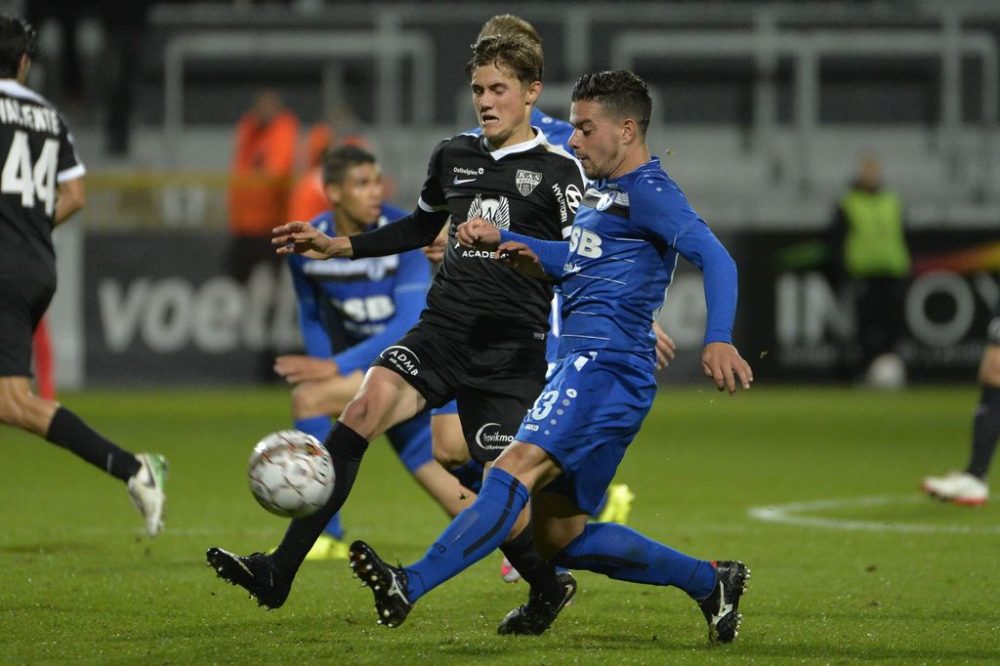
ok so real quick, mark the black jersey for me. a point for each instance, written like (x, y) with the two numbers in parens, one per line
(532, 188)
(37, 153)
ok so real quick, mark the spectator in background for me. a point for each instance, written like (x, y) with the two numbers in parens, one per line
(308, 197)
(969, 487)
(263, 166)
(868, 249)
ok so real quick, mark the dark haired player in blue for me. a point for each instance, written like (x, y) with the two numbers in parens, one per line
(632, 225)
(449, 442)
(348, 313)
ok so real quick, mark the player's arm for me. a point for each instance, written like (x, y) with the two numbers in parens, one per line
(70, 192)
(318, 362)
(533, 256)
(720, 360)
(72, 196)
(672, 220)
(416, 230)
(666, 348)
(435, 251)
(419, 228)
(409, 295)
(550, 256)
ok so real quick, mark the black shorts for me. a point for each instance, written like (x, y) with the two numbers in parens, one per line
(494, 383)
(22, 305)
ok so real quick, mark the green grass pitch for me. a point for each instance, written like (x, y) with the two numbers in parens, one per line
(911, 581)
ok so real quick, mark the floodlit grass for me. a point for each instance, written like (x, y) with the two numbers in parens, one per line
(80, 581)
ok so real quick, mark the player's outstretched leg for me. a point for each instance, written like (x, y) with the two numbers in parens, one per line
(622, 553)
(255, 573)
(471, 536)
(145, 487)
(387, 583)
(269, 578)
(533, 618)
(615, 507)
(721, 607)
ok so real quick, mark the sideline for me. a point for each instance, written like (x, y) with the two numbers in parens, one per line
(790, 514)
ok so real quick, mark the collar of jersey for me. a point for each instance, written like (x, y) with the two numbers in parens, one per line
(653, 163)
(14, 87)
(497, 155)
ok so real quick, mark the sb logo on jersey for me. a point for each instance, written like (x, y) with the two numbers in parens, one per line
(585, 243)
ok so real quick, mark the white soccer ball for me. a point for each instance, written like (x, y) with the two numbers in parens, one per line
(887, 373)
(291, 473)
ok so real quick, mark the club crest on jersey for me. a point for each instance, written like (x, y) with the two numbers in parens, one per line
(527, 181)
(494, 211)
(604, 201)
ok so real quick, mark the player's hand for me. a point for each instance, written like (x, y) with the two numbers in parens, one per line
(435, 251)
(478, 233)
(305, 239)
(297, 368)
(665, 347)
(521, 258)
(725, 366)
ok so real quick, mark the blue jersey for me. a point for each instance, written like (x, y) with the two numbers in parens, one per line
(620, 258)
(557, 131)
(351, 310)
(615, 270)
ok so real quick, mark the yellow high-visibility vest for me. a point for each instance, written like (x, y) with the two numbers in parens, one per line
(875, 245)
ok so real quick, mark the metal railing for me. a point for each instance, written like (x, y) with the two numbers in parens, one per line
(386, 47)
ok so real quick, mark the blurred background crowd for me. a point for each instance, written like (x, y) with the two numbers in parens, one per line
(201, 124)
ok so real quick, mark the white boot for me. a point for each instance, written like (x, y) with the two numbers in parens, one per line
(957, 487)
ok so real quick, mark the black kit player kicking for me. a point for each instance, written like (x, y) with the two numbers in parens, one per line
(481, 338)
(41, 185)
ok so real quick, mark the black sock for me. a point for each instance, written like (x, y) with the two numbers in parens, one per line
(70, 432)
(985, 432)
(540, 574)
(346, 447)
(469, 474)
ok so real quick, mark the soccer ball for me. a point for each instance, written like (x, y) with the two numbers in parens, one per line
(291, 473)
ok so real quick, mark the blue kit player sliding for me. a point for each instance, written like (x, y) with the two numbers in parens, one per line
(613, 272)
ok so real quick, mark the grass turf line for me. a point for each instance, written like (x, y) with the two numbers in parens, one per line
(81, 581)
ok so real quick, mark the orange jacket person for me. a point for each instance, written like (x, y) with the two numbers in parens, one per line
(263, 166)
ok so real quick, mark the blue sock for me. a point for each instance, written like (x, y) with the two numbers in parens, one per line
(319, 427)
(472, 535)
(469, 474)
(621, 553)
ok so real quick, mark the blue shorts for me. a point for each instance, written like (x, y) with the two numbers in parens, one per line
(412, 441)
(587, 415)
(448, 408)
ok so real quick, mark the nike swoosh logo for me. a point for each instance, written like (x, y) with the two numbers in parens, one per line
(463, 181)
